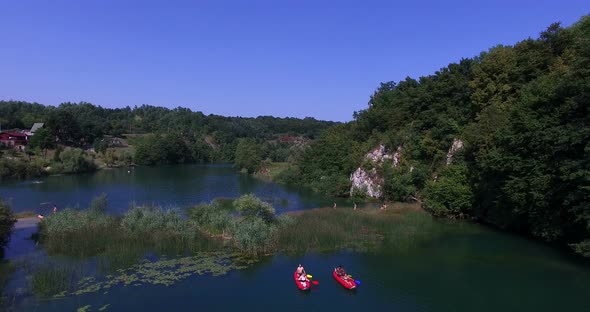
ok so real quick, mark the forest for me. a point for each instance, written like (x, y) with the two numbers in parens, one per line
(522, 113)
(159, 136)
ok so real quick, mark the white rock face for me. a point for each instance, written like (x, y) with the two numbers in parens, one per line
(369, 181)
(455, 147)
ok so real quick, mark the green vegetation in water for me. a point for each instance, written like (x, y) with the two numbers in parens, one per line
(251, 228)
(60, 281)
(327, 229)
(84, 308)
(50, 280)
(240, 236)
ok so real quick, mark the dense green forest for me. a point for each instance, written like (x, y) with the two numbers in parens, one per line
(159, 135)
(522, 113)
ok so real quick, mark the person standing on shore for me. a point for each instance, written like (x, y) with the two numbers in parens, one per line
(54, 209)
(334, 205)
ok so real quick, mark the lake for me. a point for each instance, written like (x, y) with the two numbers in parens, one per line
(465, 267)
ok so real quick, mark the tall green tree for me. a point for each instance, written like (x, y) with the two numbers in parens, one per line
(42, 139)
(248, 156)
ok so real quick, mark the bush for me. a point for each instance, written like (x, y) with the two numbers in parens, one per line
(74, 160)
(18, 169)
(251, 207)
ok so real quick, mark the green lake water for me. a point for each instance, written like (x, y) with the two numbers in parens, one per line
(464, 267)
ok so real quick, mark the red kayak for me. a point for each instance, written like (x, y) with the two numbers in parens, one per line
(345, 281)
(301, 285)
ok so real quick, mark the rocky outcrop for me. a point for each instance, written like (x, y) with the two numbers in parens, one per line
(455, 147)
(369, 181)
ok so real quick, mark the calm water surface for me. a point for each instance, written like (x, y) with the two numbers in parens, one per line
(465, 268)
(169, 186)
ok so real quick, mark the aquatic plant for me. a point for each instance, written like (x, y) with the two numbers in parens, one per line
(50, 280)
(74, 222)
(361, 230)
(147, 220)
(165, 271)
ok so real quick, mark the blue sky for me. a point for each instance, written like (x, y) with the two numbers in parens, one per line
(320, 59)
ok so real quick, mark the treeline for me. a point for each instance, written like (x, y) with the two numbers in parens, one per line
(522, 113)
(82, 124)
(159, 135)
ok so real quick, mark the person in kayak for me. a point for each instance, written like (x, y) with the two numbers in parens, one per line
(300, 270)
(340, 271)
(303, 279)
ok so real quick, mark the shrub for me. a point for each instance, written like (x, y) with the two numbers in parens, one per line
(7, 221)
(251, 207)
(74, 160)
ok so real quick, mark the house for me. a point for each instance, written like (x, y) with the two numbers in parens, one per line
(13, 139)
(36, 126)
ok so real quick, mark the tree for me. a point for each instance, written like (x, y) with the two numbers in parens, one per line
(450, 194)
(42, 139)
(247, 156)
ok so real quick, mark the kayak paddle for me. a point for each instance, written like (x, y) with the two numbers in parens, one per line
(356, 281)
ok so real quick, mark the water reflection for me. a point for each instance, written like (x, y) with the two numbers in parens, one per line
(166, 186)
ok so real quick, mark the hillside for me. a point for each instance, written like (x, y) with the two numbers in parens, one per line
(518, 118)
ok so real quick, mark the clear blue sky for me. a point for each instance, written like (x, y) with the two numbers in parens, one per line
(316, 58)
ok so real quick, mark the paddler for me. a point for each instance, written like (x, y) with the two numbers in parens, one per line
(300, 270)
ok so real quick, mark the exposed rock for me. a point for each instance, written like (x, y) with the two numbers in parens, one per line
(366, 182)
(455, 147)
(369, 181)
